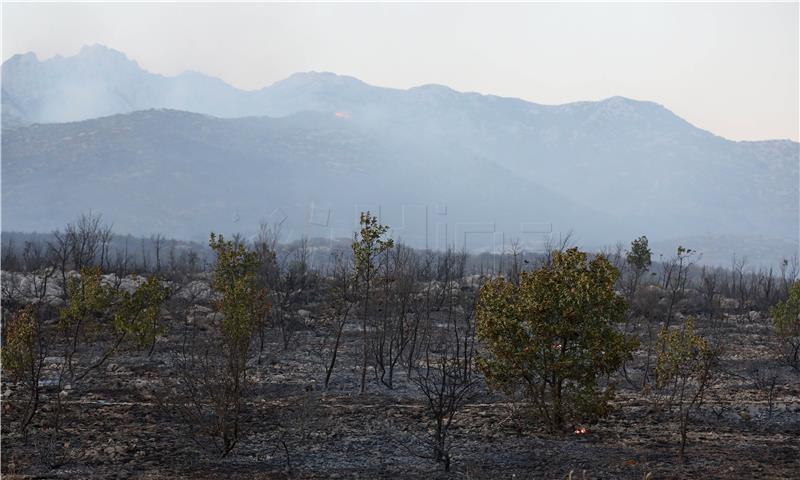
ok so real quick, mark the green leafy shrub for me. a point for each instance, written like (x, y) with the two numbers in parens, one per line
(138, 314)
(89, 301)
(552, 337)
(210, 393)
(23, 359)
(684, 371)
(242, 303)
(20, 341)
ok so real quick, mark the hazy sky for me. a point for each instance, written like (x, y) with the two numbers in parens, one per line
(728, 68)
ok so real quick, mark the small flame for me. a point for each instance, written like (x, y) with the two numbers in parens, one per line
(581, 431)
(343, 114)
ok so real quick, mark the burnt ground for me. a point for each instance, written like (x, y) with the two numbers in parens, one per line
(116, 427)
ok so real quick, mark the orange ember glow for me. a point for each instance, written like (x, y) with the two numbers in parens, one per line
(581, 431)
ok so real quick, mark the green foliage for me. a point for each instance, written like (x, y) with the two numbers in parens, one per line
(241, 302)
(370, 244)
(134, 316)
(89, 300)
(683, 354)
(20, 344)
(553, 336)
(137, 315)
(684, 370)
(94, 312)
(214, 376)
(786, 320)
(22, 361)
(639, 257)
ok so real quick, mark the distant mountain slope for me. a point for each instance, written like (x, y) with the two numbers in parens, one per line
(609, 169)
(100, 81)
(185, 174)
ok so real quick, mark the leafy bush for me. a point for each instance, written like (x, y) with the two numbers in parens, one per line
(212, 379)
(20, 341)
(137, 314)
(23, 360)
(89, 300)
(684, 370)
(242, 303)
(553, 336)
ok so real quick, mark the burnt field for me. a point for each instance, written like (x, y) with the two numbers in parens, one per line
(293, 241)
(144, 375)
(116, 427)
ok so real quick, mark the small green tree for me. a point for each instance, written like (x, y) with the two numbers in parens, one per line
(138, 314)
(19, 346)
(212, 379)
(23, 359)
(684, 370)
(242, 303)
(639, 258)
(786, 319)
(83, 320)
(368, 244)
(552, 337)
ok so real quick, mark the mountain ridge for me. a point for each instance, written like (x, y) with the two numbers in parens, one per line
(326, 79)
(610, 169)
